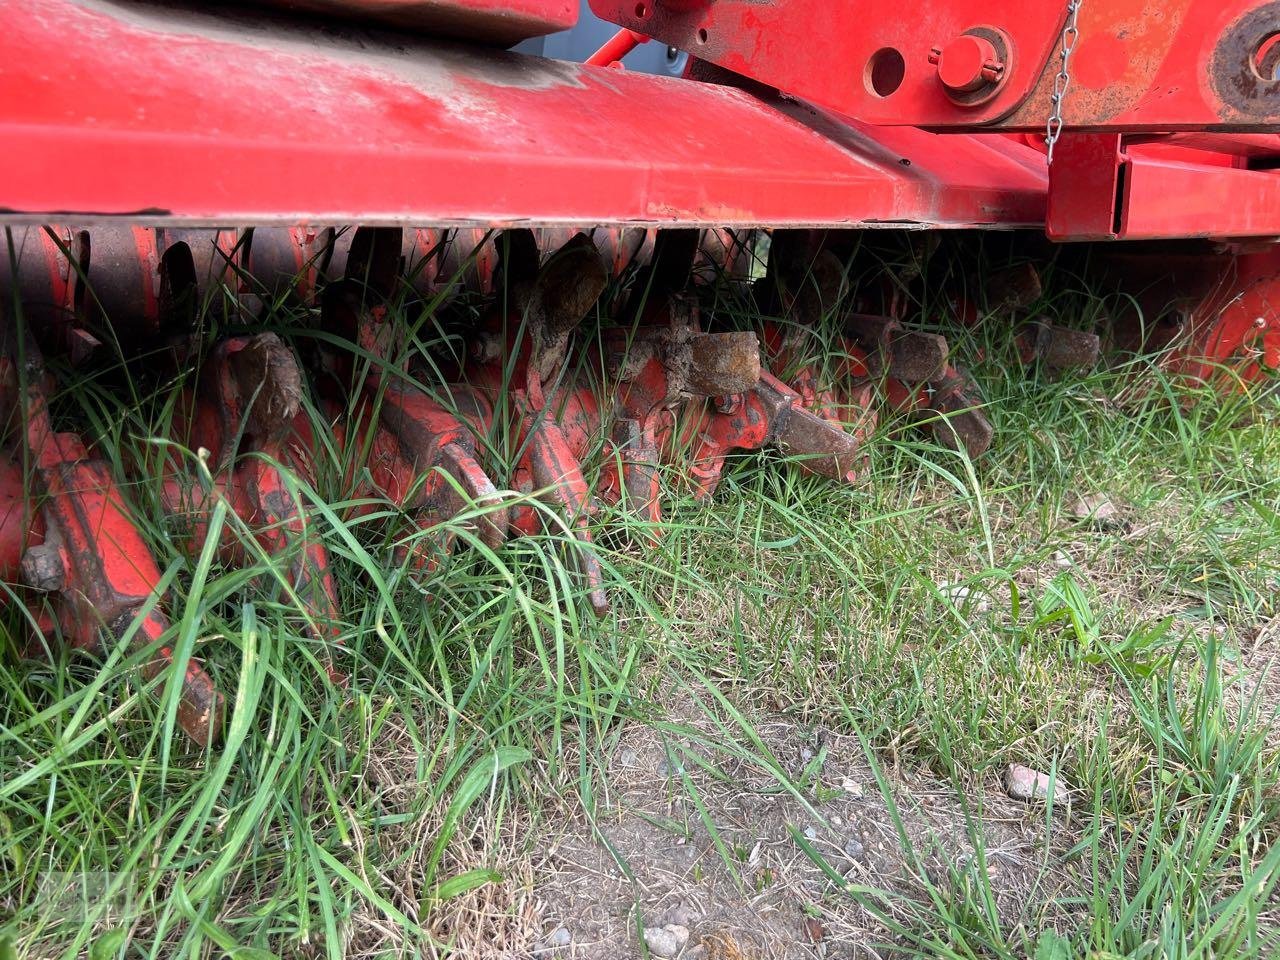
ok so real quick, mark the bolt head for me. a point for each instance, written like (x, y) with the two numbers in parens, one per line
(964, 63)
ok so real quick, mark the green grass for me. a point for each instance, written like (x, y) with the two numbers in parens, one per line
(483, 697)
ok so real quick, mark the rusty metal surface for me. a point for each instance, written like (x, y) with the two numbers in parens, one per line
(955, 414)
(909, 355)
(721, 364)
(1058, 347)
(1012, 288)
(1190, 64)
(1183, 69)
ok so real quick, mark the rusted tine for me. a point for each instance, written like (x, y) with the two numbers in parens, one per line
(1057, 347)
(893, 350)
(91, 558)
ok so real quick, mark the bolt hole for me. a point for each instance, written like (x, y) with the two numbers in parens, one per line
(702, 34)
(1266, 57)
(885, 71)
(642, 11)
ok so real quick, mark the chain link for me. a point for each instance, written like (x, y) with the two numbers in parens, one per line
(1070, 34)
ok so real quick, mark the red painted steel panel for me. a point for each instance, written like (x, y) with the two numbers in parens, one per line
(1178, 64)
(1164, 198)
(1101, 188)
(842, 54)
(498, 22)
(1083, 187)
(109, 111)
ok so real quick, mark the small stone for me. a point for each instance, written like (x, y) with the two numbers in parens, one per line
(1097, 508)
(850, 786)
(628, 758)
(559, 937)
(963, 596)
(1023, 783)
(661, 942)
(810, 833)
(696, 952)
(666, 769)
(1060, 559)
(853, 848)
(806, 754)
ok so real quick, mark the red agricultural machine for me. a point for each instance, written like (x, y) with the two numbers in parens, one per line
(170, 169)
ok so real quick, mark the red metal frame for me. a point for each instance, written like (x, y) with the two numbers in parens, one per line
(1101, 188)
(1191, 67)
(168, 117)
(204, 119)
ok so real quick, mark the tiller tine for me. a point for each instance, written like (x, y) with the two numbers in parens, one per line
(807, 285)
(805, 279)
(1014, 288)
(653, 371)
(666, 275)
(441, 453)
(555, 470)
(818, 445)
(1009, 291)
(421, 256)
(912, 367)
(895, 351)
(423, 457)
(84, 550)
(288, 262)
(546, 467)
(947, 406)
(540, 316)
(42, 273)
(566, 288)
(1058, 348)
(729, 403)
(725, 254)
(768, 413)
(958, 420)
(243, 411)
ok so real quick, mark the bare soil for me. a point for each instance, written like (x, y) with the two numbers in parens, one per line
(649, 858)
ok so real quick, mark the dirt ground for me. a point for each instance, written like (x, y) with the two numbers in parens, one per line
(650, 861)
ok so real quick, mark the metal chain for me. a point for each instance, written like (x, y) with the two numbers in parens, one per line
(1070, 34)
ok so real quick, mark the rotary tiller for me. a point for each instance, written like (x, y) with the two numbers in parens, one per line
(186, 172)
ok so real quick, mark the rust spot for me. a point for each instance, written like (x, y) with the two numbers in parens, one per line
(721, 364)
(1238, 68)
